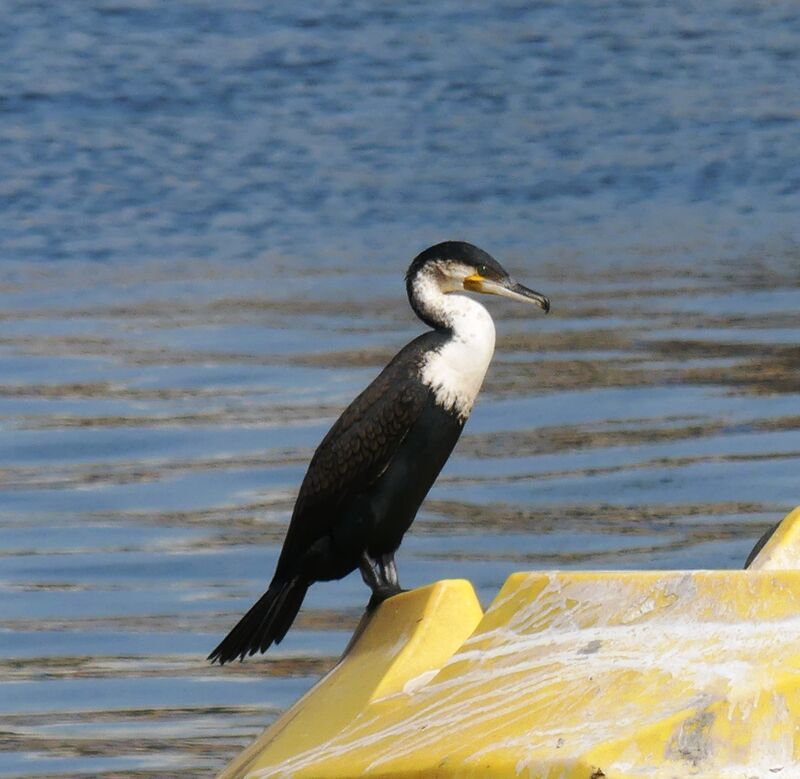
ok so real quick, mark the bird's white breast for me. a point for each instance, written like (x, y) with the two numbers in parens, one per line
(455, 372)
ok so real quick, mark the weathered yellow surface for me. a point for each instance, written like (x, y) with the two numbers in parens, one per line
(410, 636)
(569, 675)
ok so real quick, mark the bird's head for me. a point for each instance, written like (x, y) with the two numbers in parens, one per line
(455, 266)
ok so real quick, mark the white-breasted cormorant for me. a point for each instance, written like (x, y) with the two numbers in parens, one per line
(375, 466)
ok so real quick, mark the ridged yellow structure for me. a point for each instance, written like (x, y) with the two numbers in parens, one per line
(568, 675)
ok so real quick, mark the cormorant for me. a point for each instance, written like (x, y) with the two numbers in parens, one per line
(375, 466)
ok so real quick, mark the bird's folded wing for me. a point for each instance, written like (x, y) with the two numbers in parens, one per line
(356, 451)
(360, 446)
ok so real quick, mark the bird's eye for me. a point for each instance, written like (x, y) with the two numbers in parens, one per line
(483, 270)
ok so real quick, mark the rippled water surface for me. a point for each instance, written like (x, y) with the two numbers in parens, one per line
(206, 215)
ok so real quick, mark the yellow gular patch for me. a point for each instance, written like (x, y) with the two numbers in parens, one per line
(474, 282)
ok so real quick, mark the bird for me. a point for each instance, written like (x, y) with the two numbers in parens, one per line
(371, 472)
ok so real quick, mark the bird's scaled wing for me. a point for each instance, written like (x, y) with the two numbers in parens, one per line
(355, 452)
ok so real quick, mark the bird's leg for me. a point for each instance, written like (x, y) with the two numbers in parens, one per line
(370, 571)
(380, 576)
(389, 572)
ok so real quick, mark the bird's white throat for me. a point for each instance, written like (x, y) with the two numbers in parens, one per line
(455, 372)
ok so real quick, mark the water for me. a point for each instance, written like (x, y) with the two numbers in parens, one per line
(205, 215)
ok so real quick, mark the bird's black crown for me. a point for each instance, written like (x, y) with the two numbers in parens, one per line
(458, 251)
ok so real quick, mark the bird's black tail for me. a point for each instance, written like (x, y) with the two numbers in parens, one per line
(266, 622)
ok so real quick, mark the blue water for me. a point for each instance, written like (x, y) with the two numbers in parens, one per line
(205, 214)
(191, 130)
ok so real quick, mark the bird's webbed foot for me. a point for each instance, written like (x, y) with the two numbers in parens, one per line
(380, 575)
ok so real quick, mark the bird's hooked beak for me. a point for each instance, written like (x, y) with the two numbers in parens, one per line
(507, 288)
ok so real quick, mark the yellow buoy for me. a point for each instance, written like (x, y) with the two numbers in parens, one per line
(571, 674)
